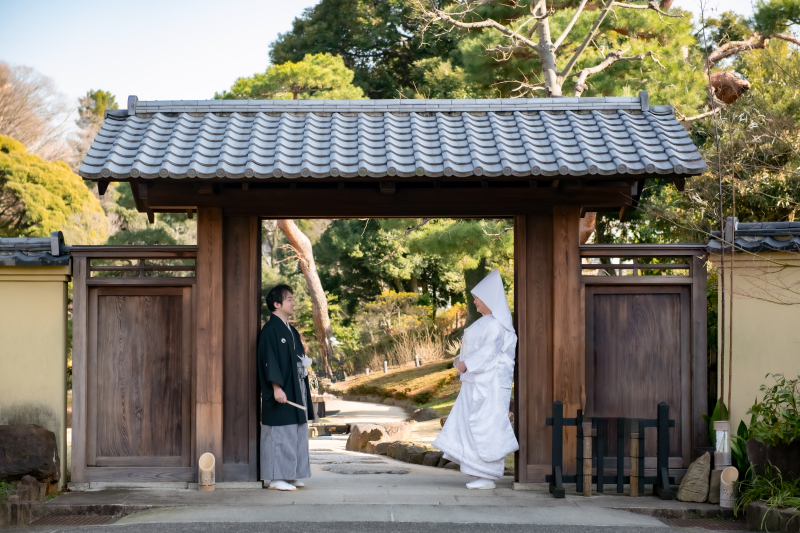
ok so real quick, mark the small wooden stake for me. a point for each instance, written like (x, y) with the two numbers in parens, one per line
(587, 458)
(634, 482)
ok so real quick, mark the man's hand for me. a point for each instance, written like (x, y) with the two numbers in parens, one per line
(280, 396)
(461, 366)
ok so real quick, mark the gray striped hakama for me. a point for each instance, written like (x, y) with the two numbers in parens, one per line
(284, 452)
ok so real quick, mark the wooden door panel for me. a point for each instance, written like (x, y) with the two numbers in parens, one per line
(636, 357)
(140, 385)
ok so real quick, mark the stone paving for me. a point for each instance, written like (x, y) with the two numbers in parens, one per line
(354, 487)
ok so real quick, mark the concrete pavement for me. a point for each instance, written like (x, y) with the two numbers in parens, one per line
(424, 496)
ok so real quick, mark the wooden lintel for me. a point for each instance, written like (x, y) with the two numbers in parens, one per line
(369, 202)
(484, 184)
(245, 186)
(190, 214)
(143, 191)
(388, 187)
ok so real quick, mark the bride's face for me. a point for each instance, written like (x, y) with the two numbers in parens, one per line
(481, 307)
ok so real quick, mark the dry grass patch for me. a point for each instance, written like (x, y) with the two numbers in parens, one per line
(434, 385)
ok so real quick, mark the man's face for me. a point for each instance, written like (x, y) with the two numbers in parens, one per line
(287, 307)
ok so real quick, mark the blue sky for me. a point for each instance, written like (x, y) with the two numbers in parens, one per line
(161, 50)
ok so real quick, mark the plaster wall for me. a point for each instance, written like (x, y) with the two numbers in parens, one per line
(766, 325)
(33, 350)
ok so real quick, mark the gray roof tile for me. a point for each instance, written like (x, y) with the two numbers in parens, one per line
(758, 237)
(542, 136)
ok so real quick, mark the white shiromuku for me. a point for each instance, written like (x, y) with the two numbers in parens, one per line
(478, 434)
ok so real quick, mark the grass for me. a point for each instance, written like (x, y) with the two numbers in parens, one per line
(4, 488)
(771, 488)
(433, 385)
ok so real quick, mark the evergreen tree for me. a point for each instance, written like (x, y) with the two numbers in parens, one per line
(38, 197)
(317, 76)
(377, 39)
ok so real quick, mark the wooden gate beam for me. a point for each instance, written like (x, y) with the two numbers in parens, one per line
(209, 361)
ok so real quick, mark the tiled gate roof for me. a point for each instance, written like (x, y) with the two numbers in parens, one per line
(589, 137)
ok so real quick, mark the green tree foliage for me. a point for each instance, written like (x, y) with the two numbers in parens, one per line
(93, 106)
(631, 49)
(316, 76)
(38, 197)
(437, 78)
(378, 40)
(759, 152)
(776, 15)
(360, 259)
(131, 227)
(470, 247)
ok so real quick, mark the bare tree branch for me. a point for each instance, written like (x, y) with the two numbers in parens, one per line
(612, 58)
(572, 22)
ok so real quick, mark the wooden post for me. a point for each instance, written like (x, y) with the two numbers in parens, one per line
(634, 482)
(533, 297)
(568, 357)
(208, 367)
(587, 458)
(662, 488)
(80, 328)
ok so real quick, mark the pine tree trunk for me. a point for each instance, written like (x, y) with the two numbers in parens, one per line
(319, 302)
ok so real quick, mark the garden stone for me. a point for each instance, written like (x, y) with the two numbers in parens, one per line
(694, 487)
(452, 466)
(422, 415)
(393, 449)
(713, 487)
(361, 434)
(28, 490)
(411, 453)
(442, 462)
(442, 421)
(432, 458)
(377, 448)
(397, 431)
(28, 450)
(406, 450)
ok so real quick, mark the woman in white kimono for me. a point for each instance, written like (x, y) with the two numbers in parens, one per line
(478, 434)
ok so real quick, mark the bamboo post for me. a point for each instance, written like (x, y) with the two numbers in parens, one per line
(587, 458)
(634, 482)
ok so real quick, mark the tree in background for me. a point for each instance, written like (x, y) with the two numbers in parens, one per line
(471, 247)
(317, 76)
(38, 197)
(319, 300)
(33, 112)
(91, 114)
(360, 259)
(524, 48)
(378, 40)
(759, 131)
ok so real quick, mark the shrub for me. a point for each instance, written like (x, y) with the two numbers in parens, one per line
(776, 418)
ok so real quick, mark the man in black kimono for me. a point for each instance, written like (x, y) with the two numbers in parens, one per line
(283, 374)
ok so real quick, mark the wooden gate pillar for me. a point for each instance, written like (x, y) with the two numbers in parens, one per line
(549, 316)
(209, 341)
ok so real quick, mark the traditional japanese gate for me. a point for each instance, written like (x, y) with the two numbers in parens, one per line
(541, 161)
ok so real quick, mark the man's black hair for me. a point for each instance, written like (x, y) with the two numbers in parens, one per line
(277, 295)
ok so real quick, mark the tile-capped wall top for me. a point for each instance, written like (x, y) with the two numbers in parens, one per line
(391, 138)
(757, 237)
